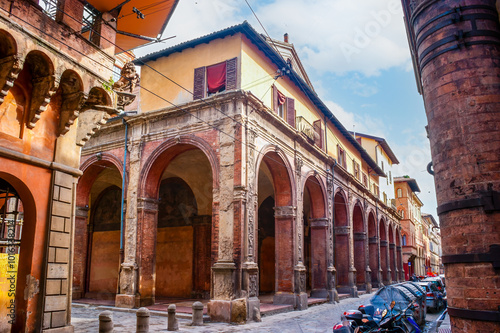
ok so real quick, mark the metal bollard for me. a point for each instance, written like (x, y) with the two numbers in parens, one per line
(197, 314)
(142, 320)
(173, 324)
(105, 322)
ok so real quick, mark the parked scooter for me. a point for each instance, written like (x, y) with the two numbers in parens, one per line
(400, 322)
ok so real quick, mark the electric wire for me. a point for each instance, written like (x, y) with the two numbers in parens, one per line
(313, 179)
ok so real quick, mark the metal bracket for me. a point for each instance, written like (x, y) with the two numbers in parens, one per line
(474, 314)
(490, 201)
(493, 256)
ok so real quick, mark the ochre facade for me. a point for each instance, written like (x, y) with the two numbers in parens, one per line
(235, 196)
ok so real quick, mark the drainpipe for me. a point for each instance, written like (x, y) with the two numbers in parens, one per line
(123, 189)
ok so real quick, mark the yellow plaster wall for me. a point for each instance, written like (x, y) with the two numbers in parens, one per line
(180, 68)
(336, 138)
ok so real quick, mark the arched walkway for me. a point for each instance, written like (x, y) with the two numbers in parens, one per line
(341, 224)
(359, 235)
(175, 215)
(96, 261)
(392, 253)
(373, 249)
(274, 184)
(384, 253)
(315, 237)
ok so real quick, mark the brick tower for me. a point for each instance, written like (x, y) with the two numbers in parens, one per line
(456, 53)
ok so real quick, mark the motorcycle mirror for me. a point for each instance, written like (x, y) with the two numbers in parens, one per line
(393, 303)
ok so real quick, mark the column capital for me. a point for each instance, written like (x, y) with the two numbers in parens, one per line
(284, 212)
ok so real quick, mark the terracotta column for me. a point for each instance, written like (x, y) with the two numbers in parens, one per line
(319, 247)
(285, 220)
(353, 290)
(459, 75)
(80, 254)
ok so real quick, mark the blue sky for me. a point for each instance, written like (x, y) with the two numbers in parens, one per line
(356, 55)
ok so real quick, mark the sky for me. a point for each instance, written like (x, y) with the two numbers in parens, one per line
(356, 55)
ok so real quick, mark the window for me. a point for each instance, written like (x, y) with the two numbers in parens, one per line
(355, 167)
(365, 180)
(214, 79)
(341, 157)
(402, 213)
(404, 240)
(399, 192)
(284, 106)
(382, 165)
(385, 198)
(390, 177)
(376, 191)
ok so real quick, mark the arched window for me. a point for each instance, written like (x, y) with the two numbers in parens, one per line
(399, 193)
(404, 240)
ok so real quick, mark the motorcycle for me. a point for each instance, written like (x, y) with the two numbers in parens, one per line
(396, 322)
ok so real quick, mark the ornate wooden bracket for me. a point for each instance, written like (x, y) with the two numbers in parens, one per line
(70, 110)
(10, 67)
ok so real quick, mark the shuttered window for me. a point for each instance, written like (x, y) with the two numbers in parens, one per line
(290, 111)
(318, 138)
(216, 78)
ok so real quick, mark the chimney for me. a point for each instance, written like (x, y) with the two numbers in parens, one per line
(285, 37)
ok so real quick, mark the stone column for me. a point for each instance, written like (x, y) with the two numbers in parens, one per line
(384, 258)
(353, 290)
(392, 258)
(202, 252)
(373, 249)
(127, 280)
(319, 250)
(285, 280)
(333, 295)
(59, 274)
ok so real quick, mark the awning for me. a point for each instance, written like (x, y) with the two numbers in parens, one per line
(131, 27)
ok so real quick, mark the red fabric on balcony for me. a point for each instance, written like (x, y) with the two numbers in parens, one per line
(216, 77)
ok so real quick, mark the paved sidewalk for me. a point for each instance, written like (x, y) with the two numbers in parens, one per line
(319, 318)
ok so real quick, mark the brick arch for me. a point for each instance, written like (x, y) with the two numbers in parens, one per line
(342, 254)
(282, 173)
(384, 249)
(359, 233)
(392, 252)
(28, 263)
(91, 169)
(317, 192)
(284, 225)
(373, 247)
(316, 264)
(160, 158)
(8, 44)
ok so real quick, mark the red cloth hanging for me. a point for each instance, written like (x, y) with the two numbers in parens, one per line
(281, 98)
(216, 77)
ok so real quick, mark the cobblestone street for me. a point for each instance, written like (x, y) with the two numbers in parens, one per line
(318, 318)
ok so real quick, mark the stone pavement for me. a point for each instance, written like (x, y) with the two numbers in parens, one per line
(319, 318)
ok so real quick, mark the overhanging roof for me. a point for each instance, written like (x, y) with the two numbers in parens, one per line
(260, 41)
(134, 31)
(383, 144)
(431, 218)
(411, 182)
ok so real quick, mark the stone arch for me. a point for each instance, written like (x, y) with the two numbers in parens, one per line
(316, 235)
(359, 244)
(373, 249)
(28, 263)
(158, 160)
(384, 251)
(11, 62)
(342, 253)
(273, 166)
(153, 235)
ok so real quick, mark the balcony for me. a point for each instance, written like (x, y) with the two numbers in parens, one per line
(305, 127)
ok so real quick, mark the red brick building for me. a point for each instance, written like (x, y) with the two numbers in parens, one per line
(54, 65)
(456, 48)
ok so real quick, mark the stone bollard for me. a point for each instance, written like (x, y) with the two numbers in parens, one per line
(142, 320)
(173, 324)
(105, 322)
(197, 314)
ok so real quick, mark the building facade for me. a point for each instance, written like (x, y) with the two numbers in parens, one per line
(455, 47)
(272, 200)
(55, 64)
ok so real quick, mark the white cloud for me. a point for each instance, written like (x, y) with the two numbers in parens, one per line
(339, 36)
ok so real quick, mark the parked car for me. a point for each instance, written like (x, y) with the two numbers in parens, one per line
(440, 285)
(443, 279)
(400, 295)
(434, 298)
(419, 293)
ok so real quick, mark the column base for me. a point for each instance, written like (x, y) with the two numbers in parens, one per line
(281, 298)
(125, 301)
(319, 293)
(253, 309)
(302, 301)
(333, 296)
(234, 311)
